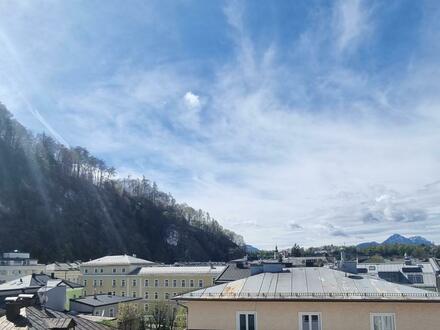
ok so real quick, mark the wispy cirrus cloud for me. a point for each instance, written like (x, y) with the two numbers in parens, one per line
(268, 123)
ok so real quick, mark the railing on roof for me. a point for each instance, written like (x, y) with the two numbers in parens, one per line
(316, 295)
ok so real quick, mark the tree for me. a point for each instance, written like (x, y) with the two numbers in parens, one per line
(163, 316)
(129, 317)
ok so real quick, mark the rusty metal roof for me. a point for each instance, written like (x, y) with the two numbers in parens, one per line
(311, 283)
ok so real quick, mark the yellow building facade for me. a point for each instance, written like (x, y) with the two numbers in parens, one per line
(130, 276)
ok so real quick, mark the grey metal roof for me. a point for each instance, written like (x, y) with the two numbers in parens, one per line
(103, 300)
(233, 272)
(39, 319)
(35, 281)
(426, 269)
(118, 260)
(311, 283)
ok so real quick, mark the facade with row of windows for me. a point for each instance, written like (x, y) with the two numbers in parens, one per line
(128, 276)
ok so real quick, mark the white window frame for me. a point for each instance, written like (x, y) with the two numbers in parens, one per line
(300, 315)
(372, 315)
(237, 318)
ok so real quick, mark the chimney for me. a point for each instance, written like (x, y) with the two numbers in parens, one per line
(94, 294)
(14, 304)
(12, 308)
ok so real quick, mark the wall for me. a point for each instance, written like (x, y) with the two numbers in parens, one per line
(72, 294)
(335, 315)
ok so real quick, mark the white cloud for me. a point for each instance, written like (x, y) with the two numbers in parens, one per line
(192, 101)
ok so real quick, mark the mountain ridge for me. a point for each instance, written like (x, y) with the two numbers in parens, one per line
(397, 239)
(61, 204)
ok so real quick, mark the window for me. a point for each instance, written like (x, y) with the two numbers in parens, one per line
(146, 283)
(122, 293)
(246, 320)
(85, 282)
(200, 283)
(111, 312)
(167, 283)
(122, 282)
(94, 283)
(134, 283)
(310, 321)
(156, 295)
(134, 294)
(213, 280)
(146, 295)
(113, 283)
(191, 283)
(101, 270)
(174, 283)
(86, 271)
(114, 293)
(114, 270)
(100, 282)
(167, 296)
(146, 307)
(174, 294)
(183, 283)
(96, 270)
(156, 283)
(382, 321)
(371, 267)
(123, 270)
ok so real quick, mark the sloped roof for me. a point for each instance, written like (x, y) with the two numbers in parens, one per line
(26, 282)
(214, 270)
(35, 318)
(311, 283)
(64, 266)
(103, 300)
(36, 281)
(232, 273)
(118, 260)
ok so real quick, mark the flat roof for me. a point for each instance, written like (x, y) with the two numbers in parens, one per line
(311, 283)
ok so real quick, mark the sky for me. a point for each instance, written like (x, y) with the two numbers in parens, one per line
(308, 122)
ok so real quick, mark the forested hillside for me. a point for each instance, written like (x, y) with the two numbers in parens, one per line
(62, 203)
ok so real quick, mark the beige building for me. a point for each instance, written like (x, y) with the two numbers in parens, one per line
(17, 264)
(68, 271)
(130, 276)
(312, 299)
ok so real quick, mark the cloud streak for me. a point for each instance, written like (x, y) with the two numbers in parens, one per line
(274, 129)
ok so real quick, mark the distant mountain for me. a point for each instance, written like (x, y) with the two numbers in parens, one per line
(367, 245)
(397, 239)
(251, 249)
(419, 240)
(61, 203)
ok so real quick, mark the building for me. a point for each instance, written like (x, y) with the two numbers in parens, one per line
(22, 313)
(68, 271)
(16, 264)
(104, 305)
(311, 299)
(127, 276)
(31, 284)
(410, 272)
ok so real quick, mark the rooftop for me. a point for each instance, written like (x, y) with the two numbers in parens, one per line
(64, 266)
(233, 272)
(41, 319)
(35, 281)
(103, 300)
(215, 270)
(311, 283)
(118, 260)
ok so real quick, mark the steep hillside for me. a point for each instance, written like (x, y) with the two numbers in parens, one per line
(62, 203)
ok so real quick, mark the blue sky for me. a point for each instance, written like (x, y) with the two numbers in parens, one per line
(305, 122)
